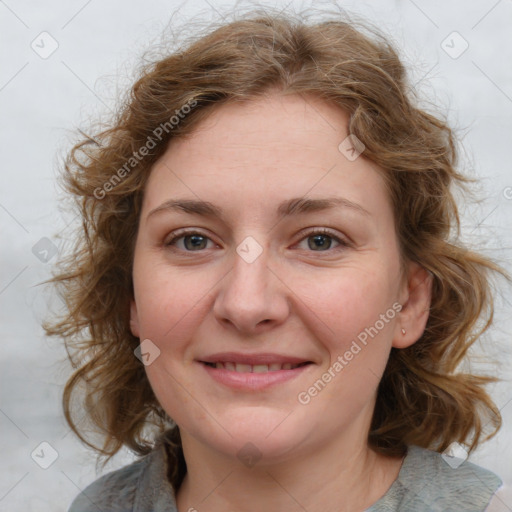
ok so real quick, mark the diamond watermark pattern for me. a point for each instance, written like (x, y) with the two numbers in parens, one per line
(44, 250)
(249, 249)
(147, 352)
(249, 454)
(44, 455)
(351, 147)
(44, 45)
(455, 455)
(454, 45)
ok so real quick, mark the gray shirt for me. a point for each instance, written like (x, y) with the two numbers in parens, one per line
(426, 483)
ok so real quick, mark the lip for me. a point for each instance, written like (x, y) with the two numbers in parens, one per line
(252, 359)
(253, 381)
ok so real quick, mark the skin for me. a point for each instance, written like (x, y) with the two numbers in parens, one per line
(299, 297)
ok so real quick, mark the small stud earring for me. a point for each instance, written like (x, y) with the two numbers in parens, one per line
(403, 332)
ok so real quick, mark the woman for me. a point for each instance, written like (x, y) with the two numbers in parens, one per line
(270, 299)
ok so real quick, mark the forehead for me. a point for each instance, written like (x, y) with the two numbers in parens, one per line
(264, 151)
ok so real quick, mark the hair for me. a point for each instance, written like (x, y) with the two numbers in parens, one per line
(422, 398)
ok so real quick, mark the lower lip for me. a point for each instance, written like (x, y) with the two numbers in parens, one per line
(253, 381)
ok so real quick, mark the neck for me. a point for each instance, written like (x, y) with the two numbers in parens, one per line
(341, 477)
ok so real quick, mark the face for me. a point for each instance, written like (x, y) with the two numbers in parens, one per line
(267, 279)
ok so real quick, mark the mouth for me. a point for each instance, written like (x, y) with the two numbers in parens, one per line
(252, 372)
(254, 368)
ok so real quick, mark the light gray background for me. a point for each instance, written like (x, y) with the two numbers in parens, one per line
(43, 100)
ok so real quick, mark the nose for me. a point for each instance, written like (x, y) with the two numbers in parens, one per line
(252, 297)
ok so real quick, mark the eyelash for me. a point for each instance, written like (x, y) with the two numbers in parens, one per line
(343, 244)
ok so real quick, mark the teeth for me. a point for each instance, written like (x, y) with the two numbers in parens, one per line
(256, 368)
(243, 368)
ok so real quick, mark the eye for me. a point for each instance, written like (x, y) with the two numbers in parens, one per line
(192, 241)
(320, 240)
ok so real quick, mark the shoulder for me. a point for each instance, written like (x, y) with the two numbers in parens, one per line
(138, 487)
(116, 488)
(430, 481)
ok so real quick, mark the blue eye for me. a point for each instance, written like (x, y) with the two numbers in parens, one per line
(193, 241)
(319, 240)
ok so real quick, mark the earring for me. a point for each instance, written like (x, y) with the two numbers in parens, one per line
(403, 332)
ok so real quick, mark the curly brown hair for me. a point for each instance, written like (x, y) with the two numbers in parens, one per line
(422, 399)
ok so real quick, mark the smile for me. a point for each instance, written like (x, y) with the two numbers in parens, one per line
(254, 368)
(253, 372)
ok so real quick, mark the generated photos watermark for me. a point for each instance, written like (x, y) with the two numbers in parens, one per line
(305, 397)
(143, 151)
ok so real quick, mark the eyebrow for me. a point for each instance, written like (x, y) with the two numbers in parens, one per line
(294, 206)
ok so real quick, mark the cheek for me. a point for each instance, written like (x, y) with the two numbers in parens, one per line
(168, 303)
(349, 303)
(356, 342)
(344, 315)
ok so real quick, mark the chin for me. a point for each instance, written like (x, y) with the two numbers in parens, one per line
(252, 434)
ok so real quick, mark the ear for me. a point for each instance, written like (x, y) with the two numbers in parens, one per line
(416, 295)
(134, 319)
